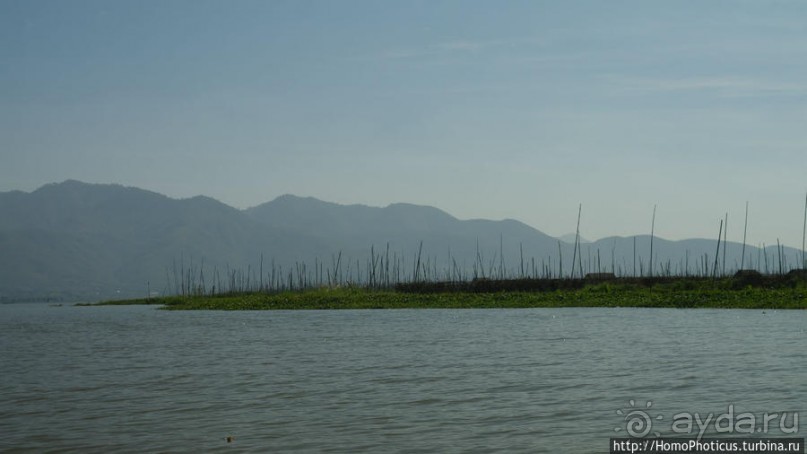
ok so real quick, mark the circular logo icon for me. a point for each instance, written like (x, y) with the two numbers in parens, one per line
(638, 423)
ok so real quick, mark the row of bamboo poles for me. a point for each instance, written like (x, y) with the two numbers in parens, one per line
(387, 268)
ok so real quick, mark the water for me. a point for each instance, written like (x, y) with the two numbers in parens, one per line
(98, 379)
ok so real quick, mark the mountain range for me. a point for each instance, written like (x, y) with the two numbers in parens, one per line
(80, 241)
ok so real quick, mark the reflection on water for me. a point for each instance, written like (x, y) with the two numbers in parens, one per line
(534, 380)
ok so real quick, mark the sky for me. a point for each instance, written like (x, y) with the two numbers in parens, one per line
(485, 109)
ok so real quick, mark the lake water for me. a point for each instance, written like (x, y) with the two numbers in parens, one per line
(97, 379)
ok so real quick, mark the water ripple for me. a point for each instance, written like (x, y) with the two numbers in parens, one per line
(134, 379)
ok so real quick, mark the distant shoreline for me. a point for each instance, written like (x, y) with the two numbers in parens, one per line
(728, 293)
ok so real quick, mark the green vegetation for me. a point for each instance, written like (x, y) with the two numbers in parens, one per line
(673, 294)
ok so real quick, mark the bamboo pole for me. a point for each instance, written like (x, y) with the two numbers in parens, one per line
(804, 235)
(576, 239)
(725, 243)
(652, 234)
(717, 253)
(745, 230)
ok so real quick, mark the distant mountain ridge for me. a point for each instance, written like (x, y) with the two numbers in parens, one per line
(80, 241)
(83, 241)
(395, 222)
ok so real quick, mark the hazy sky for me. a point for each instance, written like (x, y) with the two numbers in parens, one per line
(482, 108)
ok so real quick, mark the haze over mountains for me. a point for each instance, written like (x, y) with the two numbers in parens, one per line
(79, 241)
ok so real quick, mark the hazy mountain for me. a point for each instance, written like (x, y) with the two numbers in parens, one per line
(691, 256)
(74, 240)
(353, 229)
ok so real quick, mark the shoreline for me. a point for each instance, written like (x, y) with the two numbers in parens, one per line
(678, 293)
